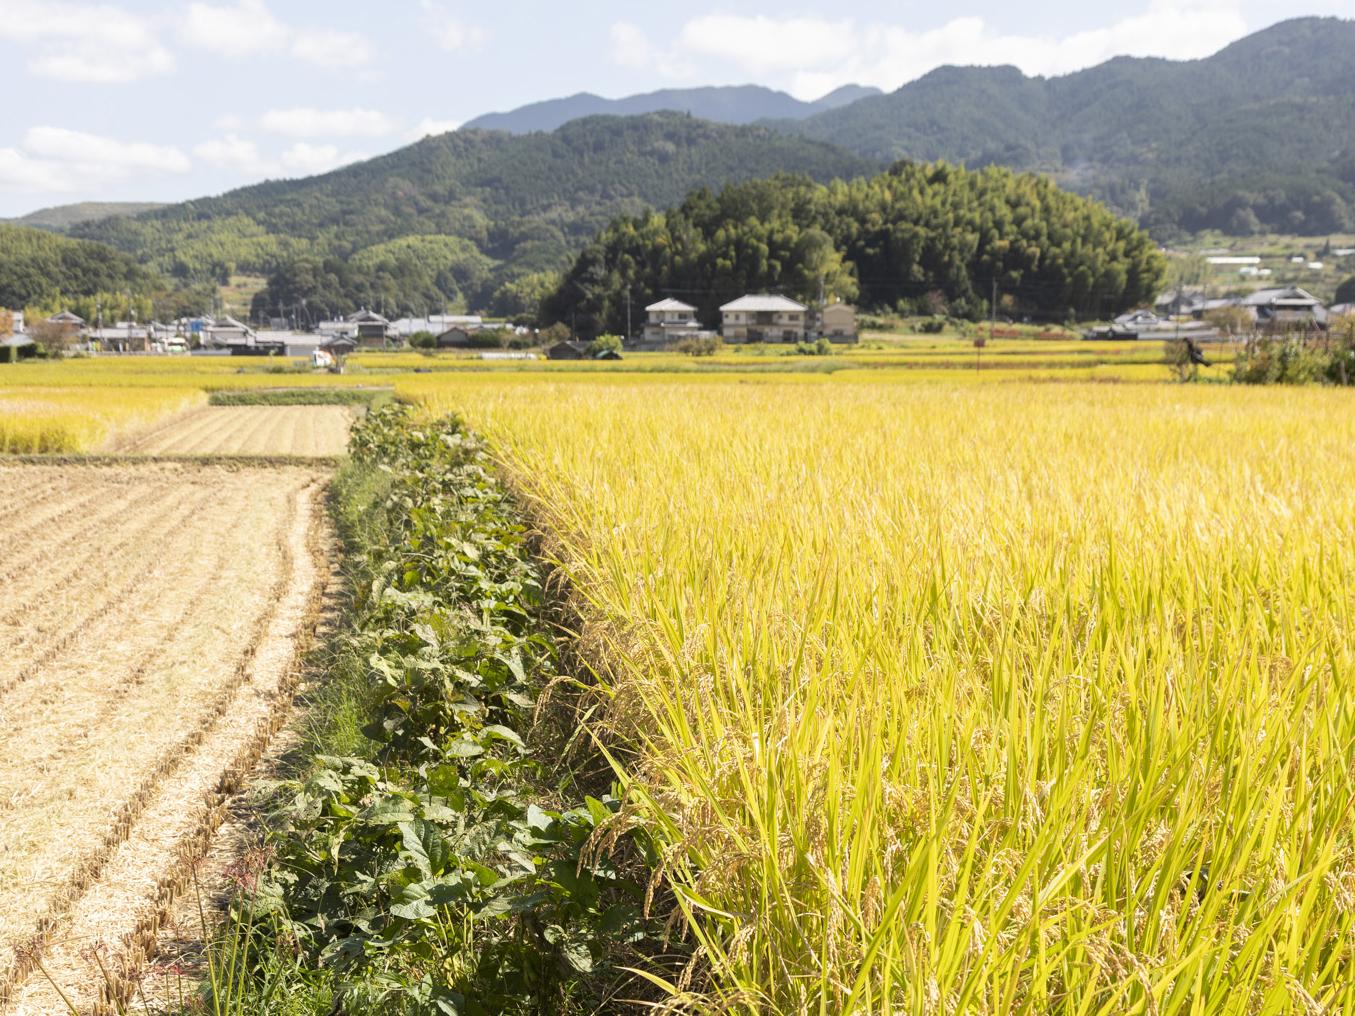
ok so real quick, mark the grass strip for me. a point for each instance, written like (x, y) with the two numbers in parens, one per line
(426, 859)
(299, 396)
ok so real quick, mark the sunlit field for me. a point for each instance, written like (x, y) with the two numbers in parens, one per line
(42, 410)
(1015, 698)
(47, 420)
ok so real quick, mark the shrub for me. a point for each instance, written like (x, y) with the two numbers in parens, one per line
(423, 340)
(706, 345)
(603, 343)
(1284, 360)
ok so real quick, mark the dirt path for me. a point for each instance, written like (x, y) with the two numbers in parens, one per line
(309, 431)
(144, 665)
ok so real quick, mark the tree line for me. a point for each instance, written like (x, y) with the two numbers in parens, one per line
(917, 238)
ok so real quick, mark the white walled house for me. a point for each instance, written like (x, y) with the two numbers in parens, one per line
(763, 317)
(670, 321)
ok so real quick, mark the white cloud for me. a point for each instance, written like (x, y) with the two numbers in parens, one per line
(632, 48)
(19, 171)
(326, 123)
(305, 159)
(760, 44)
(101, 43)
(57, 159)
(229, 122)
(450, 32)
(114, 157)
(329, 48)
(233, 152)
(811, 56)
(246, 29)
(430, 126)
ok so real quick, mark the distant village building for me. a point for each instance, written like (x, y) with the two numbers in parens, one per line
(436, 324)
(228, 333)
(370, 329)
(837, 323)
(1285, 307)
(566, 350)
(763, 317)
(130, 337)
(1180, 303)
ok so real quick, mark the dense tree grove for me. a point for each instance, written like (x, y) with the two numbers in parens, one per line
(918, 234)
(37, 266)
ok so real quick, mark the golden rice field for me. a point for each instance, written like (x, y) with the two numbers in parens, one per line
(1019, 698)
(100, 403)
(49, 420)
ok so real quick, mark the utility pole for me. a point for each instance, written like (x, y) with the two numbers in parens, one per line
(628, 330)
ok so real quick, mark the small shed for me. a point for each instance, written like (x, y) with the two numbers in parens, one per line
(17, 347)
(567, 351)
(607, 354)
(457, 337)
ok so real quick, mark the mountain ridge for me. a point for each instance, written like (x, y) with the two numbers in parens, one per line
(1192, 144)
(727, 104)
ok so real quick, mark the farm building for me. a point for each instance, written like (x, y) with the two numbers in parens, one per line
(17, 347)
(837, 323)
(567, 351)
(370, 329)
(763, 317)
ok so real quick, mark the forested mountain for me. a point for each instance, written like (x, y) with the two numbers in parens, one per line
(38, 266)
(738, 104)
(1260, 135)
(925, 238)
(499, 206)
(62, 217)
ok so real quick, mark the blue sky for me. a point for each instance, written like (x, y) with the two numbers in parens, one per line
(151, 100)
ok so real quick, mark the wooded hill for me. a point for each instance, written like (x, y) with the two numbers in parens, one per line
(925, 238)
(60, 217)
(1260, 135)
(500, 206)
(37, 267)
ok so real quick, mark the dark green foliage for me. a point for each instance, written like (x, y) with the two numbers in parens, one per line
(1345, 292)
(933, 233)
(1256, 136)
(432, 872)
(481, 208)
(37, 266)
(299, 396)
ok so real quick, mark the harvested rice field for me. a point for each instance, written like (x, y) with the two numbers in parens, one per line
(303, 431)
(153, 619)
